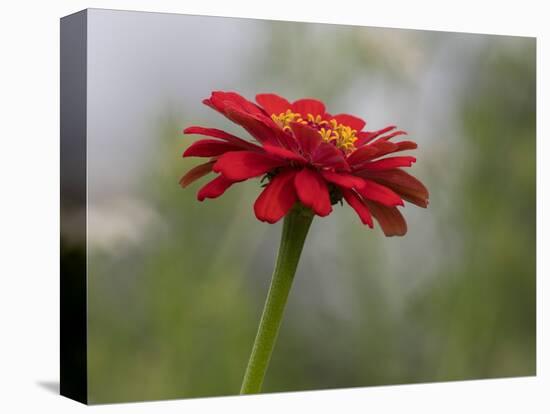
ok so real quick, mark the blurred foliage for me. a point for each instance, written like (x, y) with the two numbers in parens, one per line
(485, 316)
(174, 313)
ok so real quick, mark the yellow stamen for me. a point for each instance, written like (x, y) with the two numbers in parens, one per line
(284, 119)
(342, 136)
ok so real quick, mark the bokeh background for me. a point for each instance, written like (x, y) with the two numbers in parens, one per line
(176, 287)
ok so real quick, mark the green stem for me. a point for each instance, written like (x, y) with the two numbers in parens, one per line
(295, 228)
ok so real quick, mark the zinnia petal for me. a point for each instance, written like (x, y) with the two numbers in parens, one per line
(390, 219)
(358, 204)
(327, 155)
(308, 138)
(284, 153)
(367, 136)
(386, 147)
(362, 154)
(272, 103)
(259, 129)
(369, 152)
(343, 180)
(352, 121)
(389, 163)
(393, 134)
(308, 106)
(240, 165)
(221, 101)
(406, 145)
(377, 192)
(209, 148)
(214, 188)
(218, 133)
(195, 173)
(277, 198)
(404, 184)
(382, 147)
(313, 192)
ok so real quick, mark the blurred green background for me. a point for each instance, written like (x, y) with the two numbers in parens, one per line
(176, 287)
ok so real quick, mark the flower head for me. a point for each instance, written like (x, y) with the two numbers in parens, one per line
(308, 156)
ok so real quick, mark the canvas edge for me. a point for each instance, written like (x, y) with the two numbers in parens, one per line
(73, 196)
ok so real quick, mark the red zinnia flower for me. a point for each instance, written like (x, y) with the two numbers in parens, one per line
(308, 156)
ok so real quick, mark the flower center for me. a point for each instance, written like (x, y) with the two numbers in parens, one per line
(341, 136)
